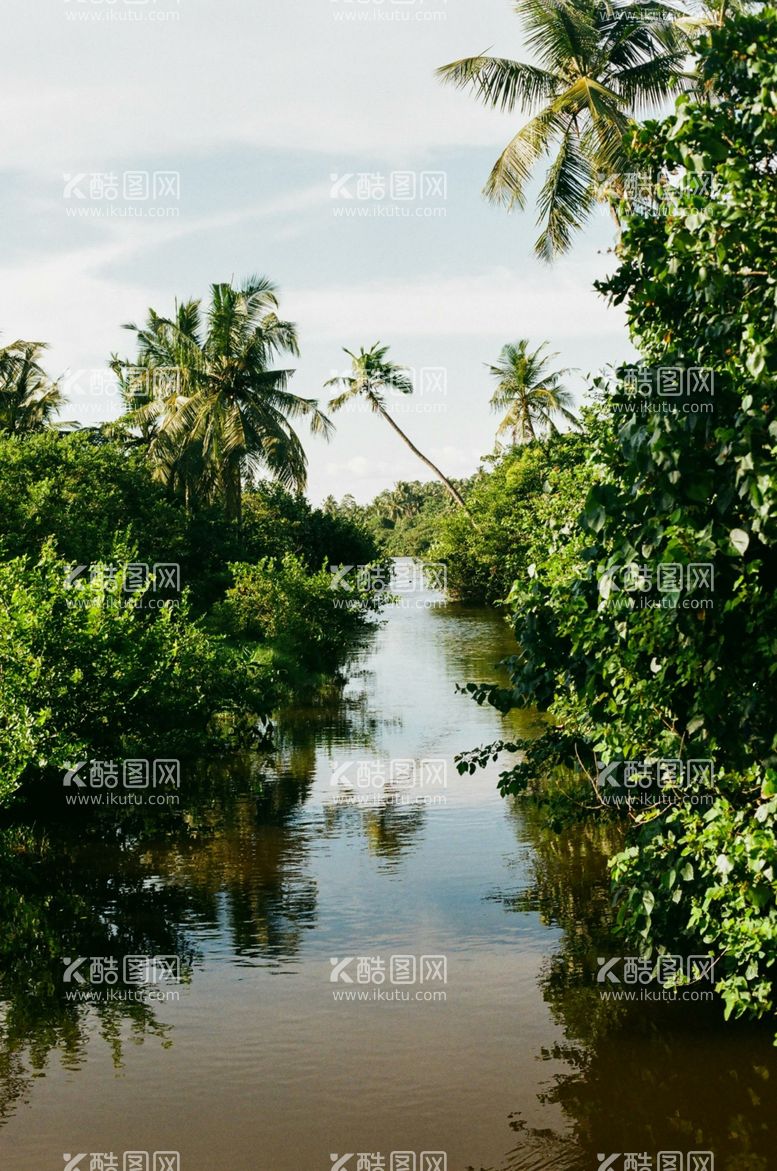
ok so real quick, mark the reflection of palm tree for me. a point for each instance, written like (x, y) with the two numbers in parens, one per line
(528, 394)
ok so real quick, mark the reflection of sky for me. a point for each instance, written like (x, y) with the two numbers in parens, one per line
(391, 872)
(260, 1049)
(460, 849)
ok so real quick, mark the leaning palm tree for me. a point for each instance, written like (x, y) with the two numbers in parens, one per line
(372, 374)
(29, 399)
(599, 63)
(210, 401)
(528, 393)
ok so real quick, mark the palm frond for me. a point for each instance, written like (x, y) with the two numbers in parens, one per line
(499, 82)
(566, 198)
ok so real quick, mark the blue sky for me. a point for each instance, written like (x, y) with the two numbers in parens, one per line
(263, 110)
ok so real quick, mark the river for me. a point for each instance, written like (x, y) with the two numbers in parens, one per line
(375, 957)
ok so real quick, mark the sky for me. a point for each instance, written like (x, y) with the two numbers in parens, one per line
(153, 147)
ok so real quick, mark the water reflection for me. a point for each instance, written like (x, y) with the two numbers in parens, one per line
(54, 906)
(265, 870)
(638, 1077)
(227, 866)
(390, 830)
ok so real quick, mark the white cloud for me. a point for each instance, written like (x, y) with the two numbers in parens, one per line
(497, 303)
(284, 76)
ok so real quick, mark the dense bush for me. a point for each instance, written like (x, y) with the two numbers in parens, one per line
(275, 523)
(639, 673)
(292, 613)
(513, 503)
(82, 491)
(85, 668)
(403, 521)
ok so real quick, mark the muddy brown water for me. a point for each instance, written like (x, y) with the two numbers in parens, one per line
(378, 960)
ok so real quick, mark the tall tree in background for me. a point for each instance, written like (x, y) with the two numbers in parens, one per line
(208, 396)
(599, 64)
(528, 393)
(29, 399)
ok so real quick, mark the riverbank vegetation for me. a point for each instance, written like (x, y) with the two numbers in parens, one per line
(647, 628)
(636, 557)
(130, 554)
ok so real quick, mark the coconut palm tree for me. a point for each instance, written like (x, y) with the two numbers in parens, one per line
(598, 64)
(29, 399)
(403, 501)
(209, 399)
(528, 394)
(372, 374)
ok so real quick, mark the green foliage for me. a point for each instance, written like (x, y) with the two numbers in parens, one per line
(86, 668)
(529, 493)
(292, 613)
(82, 491)
(404, 521)
(275, 522)
(710, 875)
(80, 671)
(694, 678)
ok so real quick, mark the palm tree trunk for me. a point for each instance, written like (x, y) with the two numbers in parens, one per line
(528, 424)
(453, 491)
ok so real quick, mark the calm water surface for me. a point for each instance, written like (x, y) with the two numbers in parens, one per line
(267, 871)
